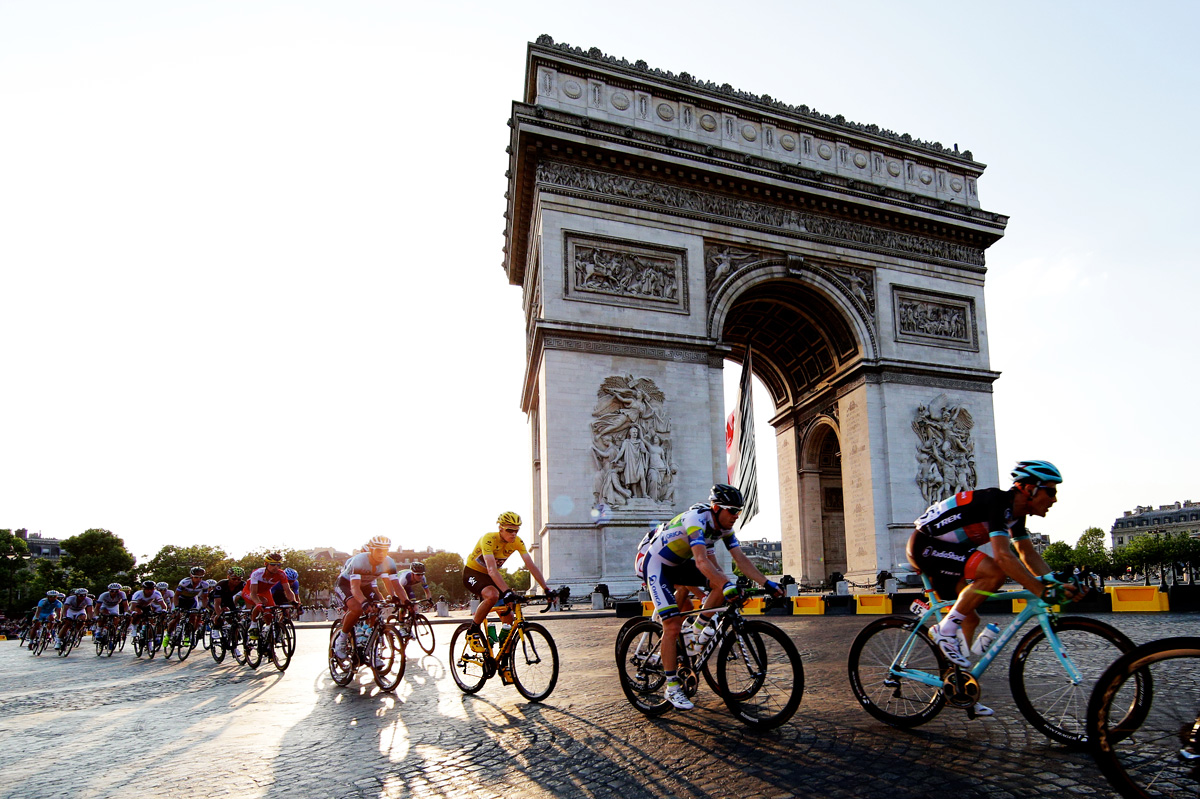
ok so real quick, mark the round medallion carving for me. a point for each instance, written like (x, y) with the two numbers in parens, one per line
(749, 133)
(787, 142)
(860, 160)
(620, 101)
(825, 151)
(926, 178)
(572, 89)
(708, 122)
(893, 169)
(956, 184)
(665, 112)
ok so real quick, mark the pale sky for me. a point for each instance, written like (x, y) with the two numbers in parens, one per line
(250, 251)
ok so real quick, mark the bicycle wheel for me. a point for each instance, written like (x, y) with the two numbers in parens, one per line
(100, 640)
(139, 643)
(122, 633)
(469, 668)
(42, 641)
(761, 675)
(1053, 704)
(889, 643)
(385, 650)
(186, 641)
(277, 645)
(639, 666)
(253, 645)
(1161, 756)
(423, 630)
(154, 634)
(621, 633)
(216, 646)
(341, 670)
(534, 661)
(170, 642)
(289, 634)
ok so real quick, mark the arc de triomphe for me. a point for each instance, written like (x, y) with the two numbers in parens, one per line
(658, 225)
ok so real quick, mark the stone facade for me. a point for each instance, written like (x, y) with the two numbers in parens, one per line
(659, 225)
(1180, 517)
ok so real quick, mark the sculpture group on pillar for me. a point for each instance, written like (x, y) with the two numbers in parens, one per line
(945, 450)
(631, 443)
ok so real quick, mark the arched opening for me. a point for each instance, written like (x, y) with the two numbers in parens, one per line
(827, 466)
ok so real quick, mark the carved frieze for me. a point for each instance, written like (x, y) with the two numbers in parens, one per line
(631, 445)
(775, 218)
(858, 283)
(945, 449)
(945, 320)
(619, 272)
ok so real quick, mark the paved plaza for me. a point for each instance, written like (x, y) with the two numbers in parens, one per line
(85, 727)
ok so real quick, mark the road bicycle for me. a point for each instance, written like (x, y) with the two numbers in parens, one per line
(147, 636)
(41, 639)
(416, 627)
(1156, 754)
(751, 664)
(107, 635)
(275, 641)
(183, 639)
(70, 633)
(902, 678)
(375, 642)
(526, 658)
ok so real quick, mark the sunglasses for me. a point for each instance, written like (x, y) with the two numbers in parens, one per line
(1049, 489)
(510, 529)
(734, 511)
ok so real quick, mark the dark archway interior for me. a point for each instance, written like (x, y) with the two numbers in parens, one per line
(798, 337)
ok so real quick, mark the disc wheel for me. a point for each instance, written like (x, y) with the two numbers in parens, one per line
(423, 631)
(1053, 704)
(639, 665)
(885, 644)
(1160, 757)
(341, 670)
(534, 661)
(385, 650)
(760, 674)
(468, 667)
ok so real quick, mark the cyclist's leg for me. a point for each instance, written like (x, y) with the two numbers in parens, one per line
(988, 577)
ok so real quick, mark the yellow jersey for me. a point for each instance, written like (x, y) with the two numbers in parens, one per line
(492, 544)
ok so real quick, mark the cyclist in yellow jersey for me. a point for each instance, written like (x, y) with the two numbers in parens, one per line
(481, 571)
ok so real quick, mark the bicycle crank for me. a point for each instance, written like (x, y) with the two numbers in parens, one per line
(961, 689)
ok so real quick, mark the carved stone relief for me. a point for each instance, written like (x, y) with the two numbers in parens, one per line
(945, 449)
(631, 445)
(940, 319)
(613, 271)
(859, 284)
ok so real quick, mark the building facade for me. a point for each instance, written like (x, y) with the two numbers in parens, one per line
(1180, 517)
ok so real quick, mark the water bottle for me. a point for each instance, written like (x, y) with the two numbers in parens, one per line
(361, 633)
(985, 639)
(492, 635)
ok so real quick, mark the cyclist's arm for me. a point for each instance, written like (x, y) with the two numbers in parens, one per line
(1015, 567)
(535, 571)
(708, 567)
(291, 595)
(493, 570)
(747, 566)
(356, 588)
(398, 590)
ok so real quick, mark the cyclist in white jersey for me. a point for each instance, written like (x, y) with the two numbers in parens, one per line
(168, 596)
(356, 585)
(77, 610)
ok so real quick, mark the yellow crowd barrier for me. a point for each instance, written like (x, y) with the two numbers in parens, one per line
(812, 605)
(1137, 598)
(873, 604)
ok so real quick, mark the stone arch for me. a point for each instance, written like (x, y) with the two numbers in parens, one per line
(822, 533)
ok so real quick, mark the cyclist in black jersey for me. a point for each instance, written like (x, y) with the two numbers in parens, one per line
(945, 546)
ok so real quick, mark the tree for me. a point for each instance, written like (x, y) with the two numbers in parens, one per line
(1059, 555)
(517, 580)
(95, 558)
(445, 570)
(48, 575)
(172, 563)
(1090, 552)
(14, 557)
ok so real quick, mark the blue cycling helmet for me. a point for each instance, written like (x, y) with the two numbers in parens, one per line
(291, 573)
(1036, 471)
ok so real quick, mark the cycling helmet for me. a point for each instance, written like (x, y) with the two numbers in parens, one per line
(52, 594)
(379, 542)
(162, 586)
(197, 571)
(149, 585)
(274, 559)
(726, 496)
(509, 519)
(1036, 472)
(418, 567)
(211, 583)
(126, 588)
(80, 592)
(114, 586)
(237, 571)
(291, 573)
(61, 595)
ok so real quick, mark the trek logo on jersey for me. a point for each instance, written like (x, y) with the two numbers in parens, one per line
(947, 520)
(930, 552)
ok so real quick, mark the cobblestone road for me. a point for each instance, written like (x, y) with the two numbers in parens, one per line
(85, 727)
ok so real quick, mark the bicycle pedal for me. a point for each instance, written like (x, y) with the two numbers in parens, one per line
(506, 676)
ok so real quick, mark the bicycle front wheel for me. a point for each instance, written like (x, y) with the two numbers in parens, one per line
(468, 667)
(760, 674)
(423, 630)
(216, 646)
(289, 634)
(534, 661)
(892, 643)
(277, 646)
(1053, 704)
(639, 665)
(385, 650)
(1160, 757)
(341, 670)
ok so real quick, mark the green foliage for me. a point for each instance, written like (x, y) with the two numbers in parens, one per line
(1090, 549)
(518, 580)
(173, 563)
(48, 574)
(1059, 555)
(95, 558)
(445, 569)
(14, 576)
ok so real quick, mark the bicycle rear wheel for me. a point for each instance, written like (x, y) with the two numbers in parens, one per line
(423, 630)
(1054, 705)
(761, 675)
(889, 643)
(534, 661)
(639, 665)
(468, 667)
(1161, 756)
(385, 652)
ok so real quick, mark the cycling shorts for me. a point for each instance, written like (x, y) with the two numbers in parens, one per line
(266, 600)
(345, 592)
(476, 581)
(663, 578)
(946, 563)
(76, 614)
(188, 603)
